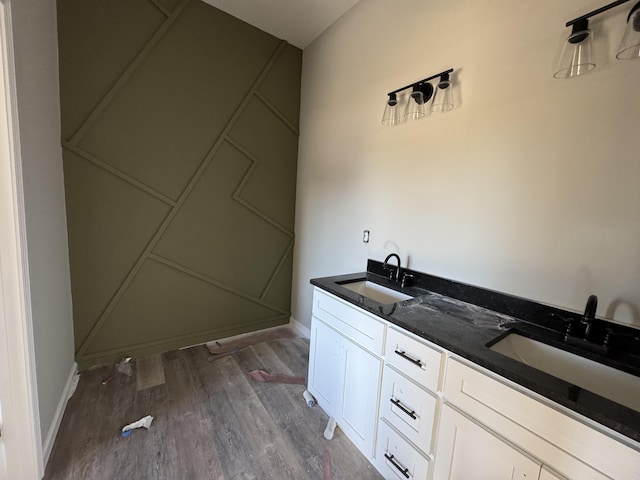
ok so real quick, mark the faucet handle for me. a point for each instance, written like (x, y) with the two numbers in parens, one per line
(610, 333)
(407, 280)
(391, 269)
(607, 338)
(568, 321)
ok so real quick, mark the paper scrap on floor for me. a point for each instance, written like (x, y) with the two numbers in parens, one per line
(124, 366)
(144, 422)
(262, 376)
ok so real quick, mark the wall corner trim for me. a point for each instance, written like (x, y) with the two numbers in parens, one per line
(299, 327)
(52, 432)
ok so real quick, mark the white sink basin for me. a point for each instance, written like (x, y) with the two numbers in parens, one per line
(376, 292)
(618, 386)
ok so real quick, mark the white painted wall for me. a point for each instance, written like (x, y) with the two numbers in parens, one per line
(20, 444)
(531, 186)
(281, 18)
(36, 62)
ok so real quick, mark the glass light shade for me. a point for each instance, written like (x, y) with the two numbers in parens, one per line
(392, 114)
(415, 105)
(443, 97)
(630, 44)
(577, 55)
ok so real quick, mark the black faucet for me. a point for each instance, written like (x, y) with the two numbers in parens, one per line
(386, 266)
(589, 315)
(588, 319)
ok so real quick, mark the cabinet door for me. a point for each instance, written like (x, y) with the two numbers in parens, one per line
(360, 384)
(466, 450)
(324, 365)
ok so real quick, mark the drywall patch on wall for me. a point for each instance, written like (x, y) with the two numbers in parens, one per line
(180, 176)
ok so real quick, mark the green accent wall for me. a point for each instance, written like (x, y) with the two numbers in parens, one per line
(180, 139)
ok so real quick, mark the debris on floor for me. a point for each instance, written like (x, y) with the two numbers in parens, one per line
(74, 385)
(222, 353)
(308, 398)
(326, 466)
(124, 366)
(107, 379)
(262, 376)
(331, 427)
(235, 344)
(144, 422)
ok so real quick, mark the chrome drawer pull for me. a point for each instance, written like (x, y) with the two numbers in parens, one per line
(397, 403)
(407, 357)
(403, 471)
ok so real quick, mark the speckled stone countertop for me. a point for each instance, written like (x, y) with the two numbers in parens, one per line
(466, 320)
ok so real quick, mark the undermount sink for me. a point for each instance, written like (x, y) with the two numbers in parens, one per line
(376, 292)
(608, 382)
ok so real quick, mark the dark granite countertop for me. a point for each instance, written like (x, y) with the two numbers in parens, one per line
(466, 320)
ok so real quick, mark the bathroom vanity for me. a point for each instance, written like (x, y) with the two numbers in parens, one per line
(428, 383)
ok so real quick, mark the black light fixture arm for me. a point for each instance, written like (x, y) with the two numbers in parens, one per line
(635, 8)
(446, 72)
(598, 11)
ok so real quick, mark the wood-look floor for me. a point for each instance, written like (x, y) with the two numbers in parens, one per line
(211, 421)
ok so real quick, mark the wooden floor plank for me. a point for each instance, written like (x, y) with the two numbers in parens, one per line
(190, 416)
(149, 372)
(211, 421)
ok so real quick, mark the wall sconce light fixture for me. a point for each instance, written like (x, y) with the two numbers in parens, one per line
(421, 92)
(577, 52)
(630, 44)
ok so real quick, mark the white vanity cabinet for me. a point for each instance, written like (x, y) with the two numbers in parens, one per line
(345, 366)
(436, 416)
(507, 411)
(467, 450)
(408, 405)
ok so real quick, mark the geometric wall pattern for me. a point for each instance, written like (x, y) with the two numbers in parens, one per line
(180, 132)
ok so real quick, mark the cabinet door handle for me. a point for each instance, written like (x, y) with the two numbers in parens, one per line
(404, 471)
(407, 357)
(397, 403)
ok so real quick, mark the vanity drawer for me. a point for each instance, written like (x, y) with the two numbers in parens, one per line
(410, 409)
(356, 324)
(415, 359)
(398, 459)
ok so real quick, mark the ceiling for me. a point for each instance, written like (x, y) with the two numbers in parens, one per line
(299, 22)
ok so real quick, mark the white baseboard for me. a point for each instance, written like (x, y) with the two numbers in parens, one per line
(69, 388)
(303, 330)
